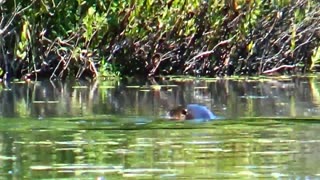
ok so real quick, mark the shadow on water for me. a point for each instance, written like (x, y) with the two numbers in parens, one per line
(115, 130)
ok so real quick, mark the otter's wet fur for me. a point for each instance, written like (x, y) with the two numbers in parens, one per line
(191, 111)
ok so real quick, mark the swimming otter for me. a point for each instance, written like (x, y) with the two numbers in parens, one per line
(192, 111)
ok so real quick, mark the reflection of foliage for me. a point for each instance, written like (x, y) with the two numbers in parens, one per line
(315, 59)
(57, 39)
(226, 97)
(315, 90)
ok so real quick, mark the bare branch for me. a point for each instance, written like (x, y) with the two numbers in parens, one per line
(273, 70)
(13, 16)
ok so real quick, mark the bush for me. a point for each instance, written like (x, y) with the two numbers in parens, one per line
(84, 39)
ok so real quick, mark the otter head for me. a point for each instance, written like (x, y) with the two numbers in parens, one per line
(179, 113)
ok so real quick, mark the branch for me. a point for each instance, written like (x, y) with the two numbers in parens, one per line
(13, 16)
(279, 68)
(206, 53)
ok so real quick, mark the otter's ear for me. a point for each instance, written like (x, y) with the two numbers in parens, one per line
(184, 111)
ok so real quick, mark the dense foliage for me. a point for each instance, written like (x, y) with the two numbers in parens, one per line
(84, 39)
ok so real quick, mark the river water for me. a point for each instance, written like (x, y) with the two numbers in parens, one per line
(116, 129)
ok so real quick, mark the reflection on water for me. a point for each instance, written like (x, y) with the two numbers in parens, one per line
(114, 130)
(289, 97)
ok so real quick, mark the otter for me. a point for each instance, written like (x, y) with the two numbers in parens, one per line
(191, 112)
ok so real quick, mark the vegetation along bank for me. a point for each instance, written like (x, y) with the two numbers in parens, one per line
(86, 39)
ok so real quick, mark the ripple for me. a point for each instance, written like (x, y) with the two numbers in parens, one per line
(274, 152)
(203, 142)
(76, 167)
(210, 150)
(8, 158)
(176, 163)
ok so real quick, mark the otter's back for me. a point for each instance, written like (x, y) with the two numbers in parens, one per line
(200, 112)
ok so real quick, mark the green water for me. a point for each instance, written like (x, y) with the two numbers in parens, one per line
(223, 149)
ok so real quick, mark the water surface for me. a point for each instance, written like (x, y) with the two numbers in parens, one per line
(115, 130)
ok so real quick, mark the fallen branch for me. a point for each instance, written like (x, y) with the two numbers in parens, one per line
(278, 68)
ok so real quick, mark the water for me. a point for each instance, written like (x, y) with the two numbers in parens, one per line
(115, 130)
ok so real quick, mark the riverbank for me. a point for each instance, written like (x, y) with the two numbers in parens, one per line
(85, 39)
